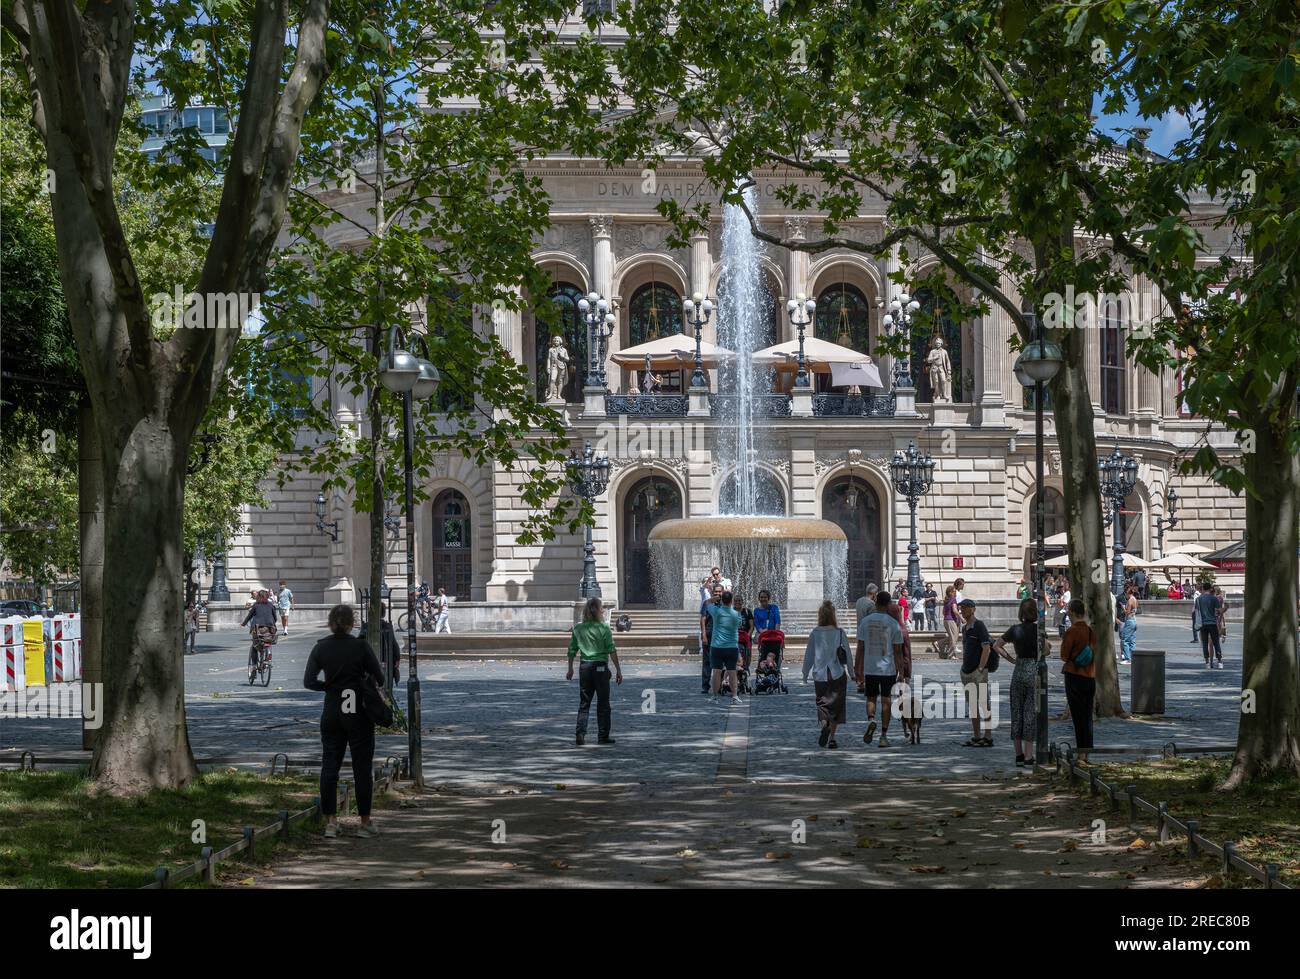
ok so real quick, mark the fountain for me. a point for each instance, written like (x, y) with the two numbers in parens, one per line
(800, 560)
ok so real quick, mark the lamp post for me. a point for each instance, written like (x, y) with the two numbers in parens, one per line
(698, 310)
(1037, 364)
(218, 592)
(588, 476)
(328, 528)
(412, 377)
(801, 311)
(899, 319)
(912, 474)
(1118, 477)
(1169, 521)
(600, 324)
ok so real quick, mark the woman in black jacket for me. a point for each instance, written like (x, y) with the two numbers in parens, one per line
(347, 662)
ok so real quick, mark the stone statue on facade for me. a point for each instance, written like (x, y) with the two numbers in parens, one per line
(557, 371)
(940, 368)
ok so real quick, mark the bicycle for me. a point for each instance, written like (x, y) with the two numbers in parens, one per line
(424, 609)
(260, 655)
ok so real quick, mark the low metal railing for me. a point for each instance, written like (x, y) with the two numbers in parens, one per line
(854, 405)
(1166, 824)
(661, 405)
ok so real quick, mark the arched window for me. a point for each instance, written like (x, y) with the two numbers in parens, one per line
(1112, 358)
(768, 494)
(452, 558)
(656, 311)
(1132, 525)
(1053, 515)
(562, 319)
(931, 312)
(843, 317)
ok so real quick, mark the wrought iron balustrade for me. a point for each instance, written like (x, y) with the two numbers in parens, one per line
(668, 405)
(854, 405)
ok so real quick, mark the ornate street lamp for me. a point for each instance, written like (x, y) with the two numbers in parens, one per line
(218, 592)
(1118, 477)
(412, 377)
(912, 474)
(328, 527)
(1037, 364)
(600, 325)
(698, 310)
(801, 311)
(899, 320)
(588, 477)
(1169, 521)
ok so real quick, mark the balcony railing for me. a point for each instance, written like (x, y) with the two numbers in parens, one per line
(661, 405)
(765, 405)
(854, 405)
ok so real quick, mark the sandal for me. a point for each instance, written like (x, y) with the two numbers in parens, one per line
(833, 744)
(972, 743)
(985, 743)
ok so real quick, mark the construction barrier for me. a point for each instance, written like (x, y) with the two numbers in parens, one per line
(12, 654)
(36, 650)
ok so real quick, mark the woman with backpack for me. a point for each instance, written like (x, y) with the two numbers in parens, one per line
(352, 677)
(1080, 671)
(827, 659)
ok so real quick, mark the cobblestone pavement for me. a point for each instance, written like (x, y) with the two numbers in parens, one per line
(511, 722)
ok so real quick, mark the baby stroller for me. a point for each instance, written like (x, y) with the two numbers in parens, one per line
(769, 641)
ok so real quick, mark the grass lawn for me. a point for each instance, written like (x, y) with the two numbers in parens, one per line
(1263, 818)
(56, 834)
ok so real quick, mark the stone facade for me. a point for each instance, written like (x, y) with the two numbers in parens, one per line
(606, 237)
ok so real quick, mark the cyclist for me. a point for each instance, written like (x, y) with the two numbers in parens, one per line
(262, 614)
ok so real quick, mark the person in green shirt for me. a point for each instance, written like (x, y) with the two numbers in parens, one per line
(1023, 591)
(595, 643)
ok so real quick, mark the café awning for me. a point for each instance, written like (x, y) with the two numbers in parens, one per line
(670, 352)
(820, 356)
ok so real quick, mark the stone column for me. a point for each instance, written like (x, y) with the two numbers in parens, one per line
(991, 334)
(701, 263)
(1146, 386)
(796, 229)
(602, 282)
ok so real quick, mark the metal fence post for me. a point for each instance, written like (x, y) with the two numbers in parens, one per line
(1132, 791)
(1092, 783)
(208, 869)
(1114, 797)
(160, 875)
(1229, 849)
(250, 837)
(1270, 876)
(1162, 824)
(1192, 849)
(284, 824)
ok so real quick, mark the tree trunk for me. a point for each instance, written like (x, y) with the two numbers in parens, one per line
(1268, 734)
(1089, 571)
(143, 744)
(90, 497)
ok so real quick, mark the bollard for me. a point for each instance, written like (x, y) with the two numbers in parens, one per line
(161, 875)
(1270, 876)
(250, 837)
(284, 824)
(1229, 849)
(1132, 792)
(1114, 797)
(1192, 849)
(209, 869)
(1092, 783)
(1162, 825)
(1069, 765)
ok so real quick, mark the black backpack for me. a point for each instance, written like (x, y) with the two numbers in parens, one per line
(992, 666)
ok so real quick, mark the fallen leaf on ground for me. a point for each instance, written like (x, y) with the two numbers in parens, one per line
(688, 853)
(1139, 844)
(773, 855)
(246, 881)
(559, 864)
(1069, 846)
(1018, 846)
(866, 843)
(561, 786)
(960, 813)
(923, 869)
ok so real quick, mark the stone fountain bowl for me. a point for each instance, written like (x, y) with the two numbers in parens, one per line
(747, 528)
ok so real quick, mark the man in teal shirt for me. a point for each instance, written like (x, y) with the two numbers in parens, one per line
(595, 643)
(724, 647)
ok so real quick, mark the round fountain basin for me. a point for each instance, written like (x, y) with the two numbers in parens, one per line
(747, 528)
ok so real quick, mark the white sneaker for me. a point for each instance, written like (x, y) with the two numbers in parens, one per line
(368, 832)
(883, 742)
(736, 700)
(332, 831)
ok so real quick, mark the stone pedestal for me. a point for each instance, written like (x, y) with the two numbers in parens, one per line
(593, 402)
(945, 414)
(801, 402)
(905, 402)
(699, 403)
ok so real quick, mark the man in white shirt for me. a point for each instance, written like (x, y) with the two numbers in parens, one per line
(880, 644)
(718, 579)
(442, 609)
(960, 585)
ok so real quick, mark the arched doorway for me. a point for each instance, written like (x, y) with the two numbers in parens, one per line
(649, 501)
(852, 504)
(453, 565)
(1053, 524)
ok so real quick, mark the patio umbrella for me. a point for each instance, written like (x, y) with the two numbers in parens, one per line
(1060, 561)
(1189, 549)
(819, 355)
(670, 353)
(1179, 562)
(1056, 540)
